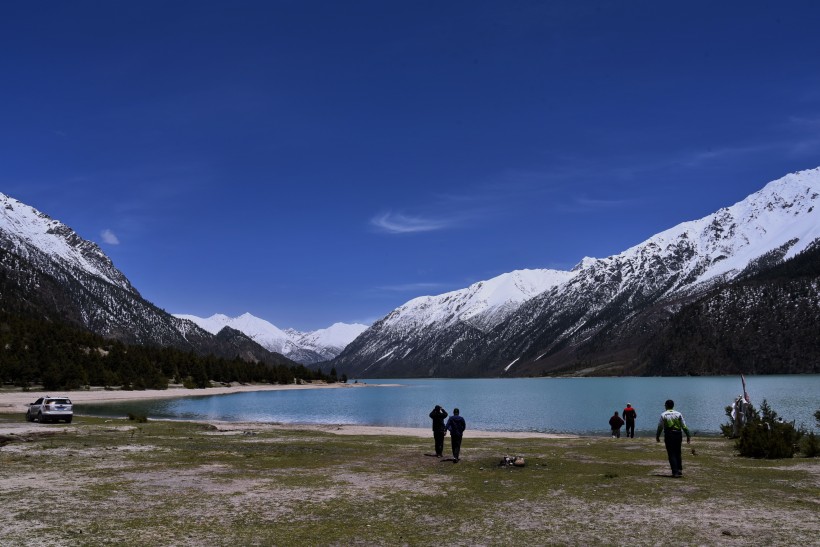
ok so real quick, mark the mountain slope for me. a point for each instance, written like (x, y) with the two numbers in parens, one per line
(48, 271)
(768, 323)
(330, 342)
(431, 331)
(601, 313)
(306, 348)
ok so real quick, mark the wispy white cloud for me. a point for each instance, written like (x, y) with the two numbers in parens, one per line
(584, 204)
(699, 158)
(398, 223)
(808, 146)
(803, 121)
(593, 203)
(109, 237)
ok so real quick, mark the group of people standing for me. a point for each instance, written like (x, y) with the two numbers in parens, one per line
(616, 422)
(455, 425)
(671, 424)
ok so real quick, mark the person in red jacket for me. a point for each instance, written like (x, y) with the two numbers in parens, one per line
(629, 415)
(615, 422)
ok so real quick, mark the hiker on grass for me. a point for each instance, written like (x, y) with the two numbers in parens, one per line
(439, 429)
(673, 427)
(615, 423)
(456, 426)
(629, 415)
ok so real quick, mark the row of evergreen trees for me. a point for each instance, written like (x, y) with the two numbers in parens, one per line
(764, 324)
(61, 357)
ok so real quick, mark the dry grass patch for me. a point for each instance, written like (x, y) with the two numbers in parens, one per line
(171, 483)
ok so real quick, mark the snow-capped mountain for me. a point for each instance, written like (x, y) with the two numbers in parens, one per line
(48, 270)
(303, 347)
(603, 308)
(36, 237)
(482, 305)
(330, 342)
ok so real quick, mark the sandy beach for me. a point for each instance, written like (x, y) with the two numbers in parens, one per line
(14, 402)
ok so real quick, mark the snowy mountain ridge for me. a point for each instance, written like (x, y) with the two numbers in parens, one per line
(483, 304)
(785, 215)
(26, 230)
(465, 332)
(302, 347)
(47, 270)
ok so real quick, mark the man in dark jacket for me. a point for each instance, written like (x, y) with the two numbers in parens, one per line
(456, 426)
(439, 429)
(615, 423)
(673, 427)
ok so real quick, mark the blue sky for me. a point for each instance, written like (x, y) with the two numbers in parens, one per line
(320, 161)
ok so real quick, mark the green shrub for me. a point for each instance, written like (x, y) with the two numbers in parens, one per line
(810, 447)
(768, 436)
(139, 418)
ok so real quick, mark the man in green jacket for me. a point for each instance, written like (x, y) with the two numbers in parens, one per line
(673, 427)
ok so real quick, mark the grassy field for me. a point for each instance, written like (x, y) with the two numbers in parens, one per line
(115, 482)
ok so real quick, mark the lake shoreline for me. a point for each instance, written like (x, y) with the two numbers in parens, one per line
(15, 402)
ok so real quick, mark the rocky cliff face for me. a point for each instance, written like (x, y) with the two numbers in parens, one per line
(598, 316)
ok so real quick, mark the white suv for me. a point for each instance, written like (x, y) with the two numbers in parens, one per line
(50, 409)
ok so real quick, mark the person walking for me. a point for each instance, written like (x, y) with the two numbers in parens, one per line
(456, 426)
(615, 423)
(439, 429)
(629, 416)
(673, 426)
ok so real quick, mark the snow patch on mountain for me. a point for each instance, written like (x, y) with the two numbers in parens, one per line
(335, 337)
(26, 228)
(302, 347)
(483, 304)
(785, 215)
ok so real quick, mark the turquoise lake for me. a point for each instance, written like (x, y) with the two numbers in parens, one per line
(550, 405)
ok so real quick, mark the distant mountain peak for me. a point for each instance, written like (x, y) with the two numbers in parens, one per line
(306, 348)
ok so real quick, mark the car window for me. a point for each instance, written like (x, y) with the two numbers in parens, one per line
(38, 401)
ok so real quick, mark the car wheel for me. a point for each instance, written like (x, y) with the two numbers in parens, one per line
(28, 417)
(68, 420)
(40, 418)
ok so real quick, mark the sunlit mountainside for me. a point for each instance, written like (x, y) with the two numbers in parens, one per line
(610, 315)
(737, 290)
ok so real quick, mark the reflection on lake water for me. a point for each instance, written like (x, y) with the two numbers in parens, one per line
(551, 405)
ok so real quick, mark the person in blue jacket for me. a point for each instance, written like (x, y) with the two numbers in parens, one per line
(456, 426)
